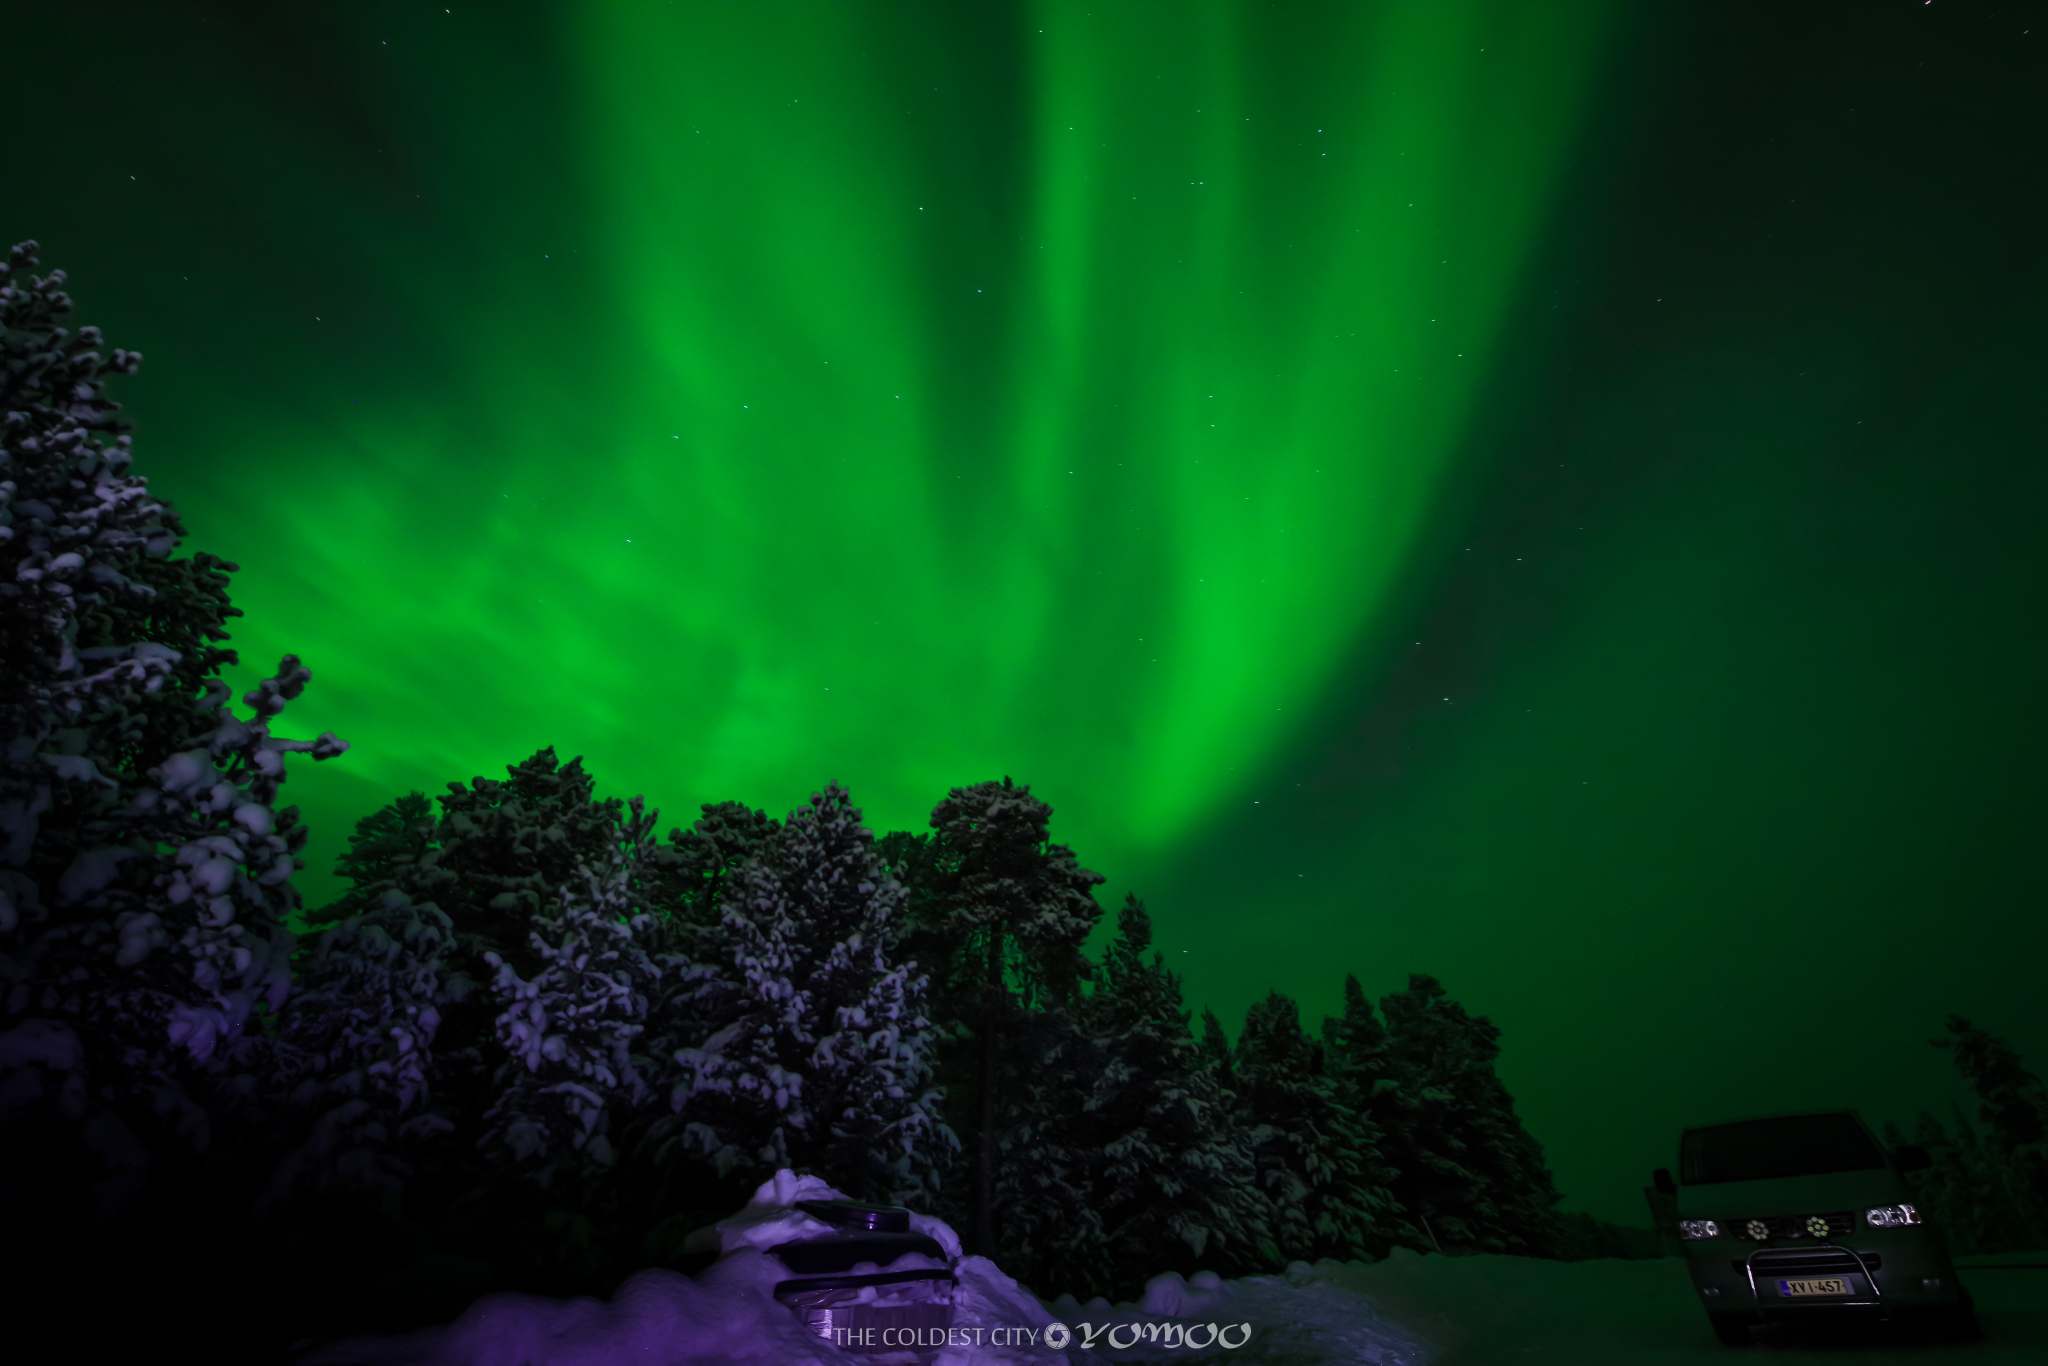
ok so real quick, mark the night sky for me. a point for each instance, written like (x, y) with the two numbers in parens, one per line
(1544, 494)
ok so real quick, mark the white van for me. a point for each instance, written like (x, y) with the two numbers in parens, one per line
(1795, 1217)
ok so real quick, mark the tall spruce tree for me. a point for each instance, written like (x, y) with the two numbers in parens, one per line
(352, 1082)
(821, 1050)
(1005, 912)
(1470, 1173)
(1987, 1189)
(2013, 1105)
(1216, 1050)
(494, 861)
(1318, 1161)
(1050, 1162)
(145, 872)
(571, 1030)
(1360, 1059)
(506, 847)
(698, 870)
(384, 846)
(1175, 1183)
(1979, 1200)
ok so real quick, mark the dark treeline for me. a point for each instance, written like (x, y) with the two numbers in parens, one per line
(1989, 1190)
(553, 1045)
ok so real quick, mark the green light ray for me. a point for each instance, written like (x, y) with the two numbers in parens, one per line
(1078, 445)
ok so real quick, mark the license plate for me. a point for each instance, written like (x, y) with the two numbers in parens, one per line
(1811, 1286)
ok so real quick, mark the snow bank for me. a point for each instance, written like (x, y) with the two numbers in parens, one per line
(1408, 1310)
(1309, 1316)
(728, 1316)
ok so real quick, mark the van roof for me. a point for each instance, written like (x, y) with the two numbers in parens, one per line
(1778, 1114)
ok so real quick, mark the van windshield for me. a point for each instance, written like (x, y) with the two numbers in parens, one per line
(1797, 1145)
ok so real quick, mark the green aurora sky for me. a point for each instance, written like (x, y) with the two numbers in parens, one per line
(1544, 494)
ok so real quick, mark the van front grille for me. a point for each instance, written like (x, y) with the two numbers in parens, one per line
(1840, 1224)
(1781, 1263)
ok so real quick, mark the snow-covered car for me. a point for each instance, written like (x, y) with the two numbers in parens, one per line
(871, 1285)
(1793, 1217)
(870, 1279)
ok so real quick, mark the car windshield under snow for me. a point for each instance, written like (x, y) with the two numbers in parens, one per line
(1796, 1145)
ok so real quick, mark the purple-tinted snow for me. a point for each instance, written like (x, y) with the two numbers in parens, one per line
(728, 1316)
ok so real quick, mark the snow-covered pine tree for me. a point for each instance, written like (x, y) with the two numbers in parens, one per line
(524, 1177)
(1050, 1160)
(353, 1060)
(689, 880)
(1469, 1171)
(144, 872)
(385, 845)
(1173, 1185)
(696, 872)
(1360, 1059)
(1979, 1200)
(360, 1070)
(494, 860)
(2013, 1104)
(505, 848)
(1317, 1159)
(821, 1052)
(1216, 1050)
(1996, 1183)
(1007, 911)
(913, 858)
(572, 1029)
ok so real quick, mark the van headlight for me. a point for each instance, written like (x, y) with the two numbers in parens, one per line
(1695, 1229)
(1891, 1216)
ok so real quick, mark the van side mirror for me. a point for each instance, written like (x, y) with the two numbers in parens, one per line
(1661, 1179)
(1911, 1157)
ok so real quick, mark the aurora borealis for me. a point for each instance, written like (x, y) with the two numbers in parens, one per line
(1114, 430)
(1537, 494)
(919, 460)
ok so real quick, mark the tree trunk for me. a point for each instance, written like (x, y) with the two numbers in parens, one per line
(985, 1150)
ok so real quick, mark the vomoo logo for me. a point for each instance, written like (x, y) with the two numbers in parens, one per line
(1194, 1336)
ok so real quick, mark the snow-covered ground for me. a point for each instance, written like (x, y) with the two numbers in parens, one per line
(1408, 1310)
(1491, 1311)
(1442, 1311)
